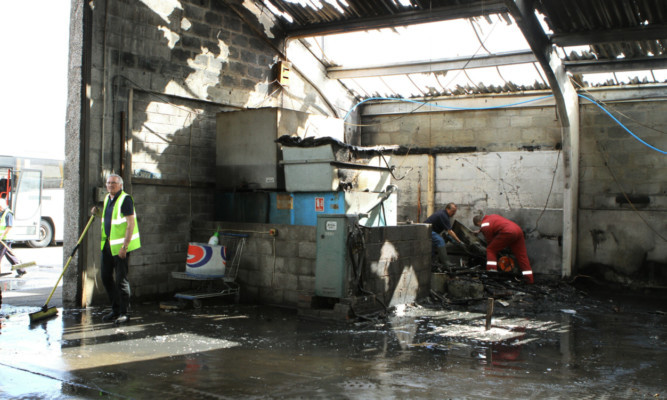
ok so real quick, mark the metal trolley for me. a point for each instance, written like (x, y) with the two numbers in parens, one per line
(206, 287)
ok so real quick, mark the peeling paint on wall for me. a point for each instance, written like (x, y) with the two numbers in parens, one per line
(266, 20)
(186, 24)
(172, 37)
(163, 8)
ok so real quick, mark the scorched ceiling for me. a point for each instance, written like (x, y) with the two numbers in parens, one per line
(417, 48)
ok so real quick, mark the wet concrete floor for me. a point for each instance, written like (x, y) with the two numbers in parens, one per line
(609, 349)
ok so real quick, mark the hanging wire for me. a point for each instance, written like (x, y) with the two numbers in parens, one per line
(551, 188)
(603, 108)
(422, 103)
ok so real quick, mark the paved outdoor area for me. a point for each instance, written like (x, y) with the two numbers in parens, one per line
(33, 288)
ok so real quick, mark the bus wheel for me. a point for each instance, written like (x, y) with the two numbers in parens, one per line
(45, 235)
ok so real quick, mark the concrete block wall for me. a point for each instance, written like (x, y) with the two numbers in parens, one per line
(525, 187)
(159, 73)
(620, 239)
(411, 172)
(498, 175)
(274, 269)
(278, 269)
(508, 129)
(170, 141)
(497, 161)
(398, 268)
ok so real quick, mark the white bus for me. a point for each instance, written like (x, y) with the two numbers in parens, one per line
(34, 190)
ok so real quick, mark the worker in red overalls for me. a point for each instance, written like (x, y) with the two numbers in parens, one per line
(500, 233)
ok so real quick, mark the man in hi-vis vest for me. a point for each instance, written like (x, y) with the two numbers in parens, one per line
(120, 236)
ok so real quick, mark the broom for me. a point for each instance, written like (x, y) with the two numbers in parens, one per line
(47, 312)
(21, 265)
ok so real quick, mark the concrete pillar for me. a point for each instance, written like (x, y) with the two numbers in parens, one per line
(76, 155)
(570, 135)
(567, 105)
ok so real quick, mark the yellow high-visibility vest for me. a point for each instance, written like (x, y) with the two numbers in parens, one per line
(118, 227)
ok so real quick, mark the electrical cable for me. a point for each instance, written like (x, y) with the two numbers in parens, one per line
(553, 179)
(423, 103)
(238, 231)
(384, 122)
(621, 124)
(393, 167)
(356, 244)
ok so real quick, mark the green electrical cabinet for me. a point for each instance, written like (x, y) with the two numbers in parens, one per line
(333, 273)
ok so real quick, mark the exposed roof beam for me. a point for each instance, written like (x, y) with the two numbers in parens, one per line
(518, 57)
(598, 66)
(471, 9)
(567, 105)
(639, 33)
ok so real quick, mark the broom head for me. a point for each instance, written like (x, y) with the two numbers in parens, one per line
(23, 265)
(44, 313)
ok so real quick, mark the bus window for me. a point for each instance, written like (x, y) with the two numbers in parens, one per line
(52, 194)
(3, 188)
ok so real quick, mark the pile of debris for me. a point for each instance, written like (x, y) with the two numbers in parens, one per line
(469, 284)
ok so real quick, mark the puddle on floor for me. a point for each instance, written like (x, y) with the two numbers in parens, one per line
(230, 351)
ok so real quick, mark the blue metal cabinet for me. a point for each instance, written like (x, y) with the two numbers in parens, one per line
(303, 208)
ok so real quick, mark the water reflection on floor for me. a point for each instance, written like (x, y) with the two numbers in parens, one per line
(229, 351)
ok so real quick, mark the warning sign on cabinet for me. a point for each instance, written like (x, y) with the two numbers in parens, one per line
(319, 204)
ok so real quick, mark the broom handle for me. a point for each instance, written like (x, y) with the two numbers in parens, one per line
(90, 221)
(8, 249)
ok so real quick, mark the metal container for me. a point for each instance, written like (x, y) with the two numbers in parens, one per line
(314, 169)
(246, 153)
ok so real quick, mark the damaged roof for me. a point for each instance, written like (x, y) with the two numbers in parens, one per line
(600, 42)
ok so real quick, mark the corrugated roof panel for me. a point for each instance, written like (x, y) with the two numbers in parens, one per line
(475, 37)
(581, 16)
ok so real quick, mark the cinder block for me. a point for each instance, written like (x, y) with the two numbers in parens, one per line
(404, 248)
(307, 250)
(290, 298)
(286, 248)
(375, 235)
(306, 283)
(278, 264)
(261, 278)
(373, 251)
(270, 296)
(285, 281)
(305, 267)
(264, 246)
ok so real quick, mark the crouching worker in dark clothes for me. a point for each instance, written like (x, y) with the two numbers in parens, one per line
(501, 233)
(120, 236)
(440, 224)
